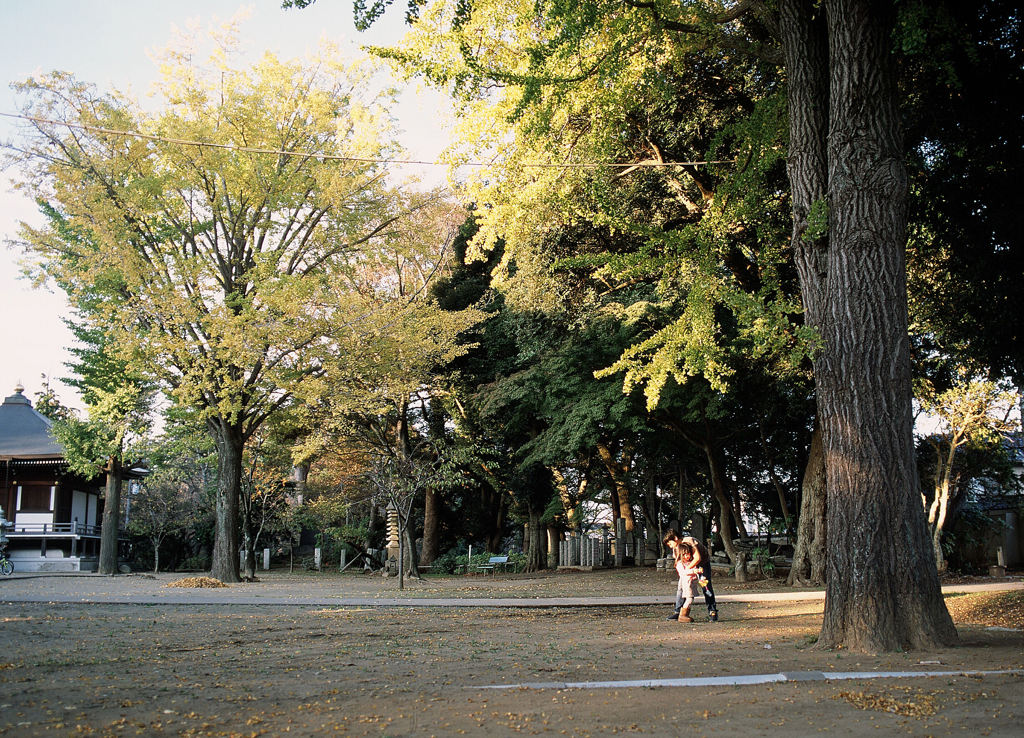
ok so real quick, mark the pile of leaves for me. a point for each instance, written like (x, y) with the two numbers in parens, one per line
(998, 609)
(921, 705)
(196, 583)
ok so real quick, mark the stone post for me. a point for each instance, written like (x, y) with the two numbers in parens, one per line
(620, 541)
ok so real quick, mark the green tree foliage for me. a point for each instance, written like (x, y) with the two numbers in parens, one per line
(558, 73)
(178, 521)
(684, 260)
(161, 506)
(966, 226)
(379, 401)
(230, 260)
(971, 414)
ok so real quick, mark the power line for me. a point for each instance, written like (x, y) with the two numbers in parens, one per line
(353, 159)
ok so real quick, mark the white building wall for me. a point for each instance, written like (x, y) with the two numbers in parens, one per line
(80, 507)
(25, 518)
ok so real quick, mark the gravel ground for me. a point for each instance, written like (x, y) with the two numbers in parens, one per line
(240, 670)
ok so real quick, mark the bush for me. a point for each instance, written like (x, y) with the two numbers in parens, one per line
(763, 559)
(447, 563)
(516, 561)
(195, 563)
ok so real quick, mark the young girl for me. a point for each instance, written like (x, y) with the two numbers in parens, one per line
(683, 555)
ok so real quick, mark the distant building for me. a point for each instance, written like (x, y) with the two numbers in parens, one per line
(56, 515)
(1008, 508)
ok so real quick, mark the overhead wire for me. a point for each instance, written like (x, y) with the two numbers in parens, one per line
(353, 159)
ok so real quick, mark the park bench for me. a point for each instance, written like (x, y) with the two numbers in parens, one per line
(492, 563)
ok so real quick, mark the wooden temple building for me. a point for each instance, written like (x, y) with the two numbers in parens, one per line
(56, 514)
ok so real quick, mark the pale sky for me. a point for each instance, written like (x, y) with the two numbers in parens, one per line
(107, 42)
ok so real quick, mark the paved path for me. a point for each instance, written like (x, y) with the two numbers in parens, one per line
(120, 590)
(736, 680)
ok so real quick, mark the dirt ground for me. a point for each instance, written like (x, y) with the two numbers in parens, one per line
(243, 670)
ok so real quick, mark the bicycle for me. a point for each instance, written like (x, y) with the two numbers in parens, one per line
(6, 567)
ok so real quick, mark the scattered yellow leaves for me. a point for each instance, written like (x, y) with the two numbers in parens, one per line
(920, 706)
(196, 583)
(993, 609)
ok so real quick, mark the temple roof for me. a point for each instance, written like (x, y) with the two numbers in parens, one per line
(24, 433)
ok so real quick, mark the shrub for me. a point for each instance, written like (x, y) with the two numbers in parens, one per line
(195, 563)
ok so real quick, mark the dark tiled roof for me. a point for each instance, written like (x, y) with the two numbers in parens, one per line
(24, 433)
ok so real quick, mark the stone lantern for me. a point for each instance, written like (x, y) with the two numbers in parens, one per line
(391, 563)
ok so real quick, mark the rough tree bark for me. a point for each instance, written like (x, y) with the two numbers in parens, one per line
(228, 438)
(882, 590)
(432, 506)
(619, 471)
(553, 540)
(536, 560)
(410, 559)
(728, 526)
(805, 42)
(111, 517)
(809, 556)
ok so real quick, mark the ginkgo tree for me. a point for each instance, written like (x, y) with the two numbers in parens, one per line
(654, 180)
(374, 397)
(846, 169)
(229, 215)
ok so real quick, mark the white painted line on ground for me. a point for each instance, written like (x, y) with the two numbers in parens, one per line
(746, 679)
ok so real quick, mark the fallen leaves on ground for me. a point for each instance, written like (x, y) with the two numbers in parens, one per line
(197, 583)
(921, 705)
(994, 609)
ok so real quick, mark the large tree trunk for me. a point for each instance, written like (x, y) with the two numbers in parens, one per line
(228, 439)
(553, 540)
(432, 507)
(434, 504)
(495, 507)
(726, 523)
(805, 42)
(809, 557)
(111, 518)
(619, 471)
(882, 590)
(570, 501)
(534, 543)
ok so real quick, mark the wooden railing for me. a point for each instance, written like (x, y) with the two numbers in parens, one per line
(52, 529)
